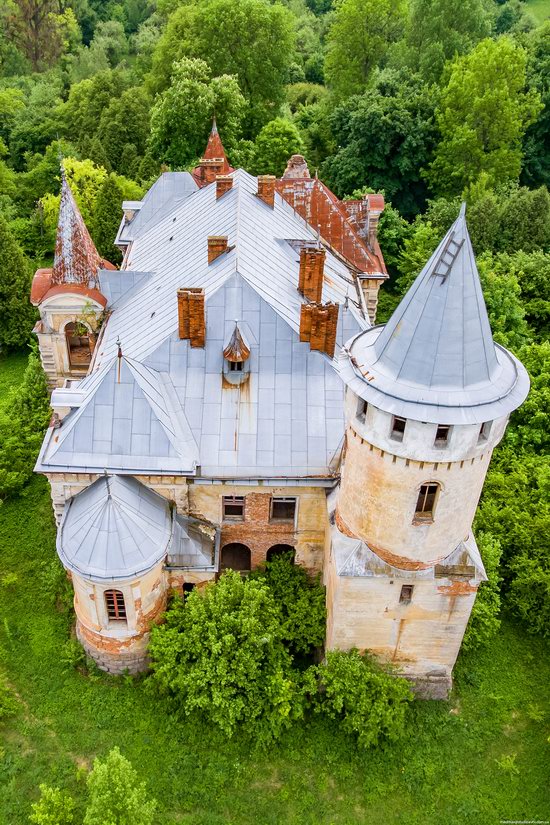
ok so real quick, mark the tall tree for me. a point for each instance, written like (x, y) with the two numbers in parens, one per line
(277, 141)
(40, 30)
(182, 115)
(114, 794)
(106, 218)
(536, 145)
(483, 115)
(17, 315)
(359, 36)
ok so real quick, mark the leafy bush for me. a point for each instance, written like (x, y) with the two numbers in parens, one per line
(301, 601)
(55, 807)
(115, 796)
(221, 653)
(485, 616)
(368, 702)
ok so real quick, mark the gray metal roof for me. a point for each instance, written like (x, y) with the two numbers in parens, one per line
(163, 196)
(117, 285)
(435, 359)
(118, 528)
(286, 420)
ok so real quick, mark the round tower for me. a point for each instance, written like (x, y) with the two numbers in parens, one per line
(428, 397)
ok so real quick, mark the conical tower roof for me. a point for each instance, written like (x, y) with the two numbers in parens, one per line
(435, 360)
(76, 259)
(214, 148)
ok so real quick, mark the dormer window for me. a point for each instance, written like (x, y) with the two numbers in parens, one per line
(236, 355)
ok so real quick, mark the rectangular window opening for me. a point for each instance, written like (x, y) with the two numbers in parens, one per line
(233, 508)
(116, 608)
(398, 428)
(362, 407)
(484, 431)
(406, 593)
(442, 435)
(425, 504)
(235, 366)
(283, 509)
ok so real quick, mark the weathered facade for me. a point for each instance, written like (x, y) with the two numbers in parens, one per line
(231, 401)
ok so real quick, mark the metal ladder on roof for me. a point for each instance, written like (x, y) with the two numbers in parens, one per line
(447, 257)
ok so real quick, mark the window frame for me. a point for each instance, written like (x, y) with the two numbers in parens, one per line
(233, 501)
(406, 593)
(115, 613)
(484, 432)
(236, 366)
(283, 499)
(426, 516)
(396, 434)
(362, 409)
(439, 442)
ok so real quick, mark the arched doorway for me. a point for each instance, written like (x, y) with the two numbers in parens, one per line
(235, 556)
(79, 345)
(281, 550)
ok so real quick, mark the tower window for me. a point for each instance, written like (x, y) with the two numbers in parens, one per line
(362, 407)
(484, 431)
(425, 504)
(236, 366)
(398, 428)
(283, 509)
(442, 435)
(406, 593)
(116, 608)
(233, 508)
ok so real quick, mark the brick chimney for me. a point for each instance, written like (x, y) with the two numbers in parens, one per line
(210, 167)
(191, 316)
(217, 245)
(318, 324)
(310, 278)
(266, 189)
(223, 184)
(375, 207)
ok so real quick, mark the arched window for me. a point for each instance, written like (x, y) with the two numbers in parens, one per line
(426, 501)
(79, 345)
(280, 550)
(116, 608)
(235, 556)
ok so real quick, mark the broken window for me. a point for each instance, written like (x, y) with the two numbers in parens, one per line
(484, 431)
(442, 435)
(283, 509)
(362, 407)
(398, 428)
(116, 608)
(425, 504)
(406, 593)
(79, 346)
(233, 508)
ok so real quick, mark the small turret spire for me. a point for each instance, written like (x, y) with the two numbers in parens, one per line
(76, 259)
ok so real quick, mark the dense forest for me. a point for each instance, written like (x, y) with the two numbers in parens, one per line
(428, 101)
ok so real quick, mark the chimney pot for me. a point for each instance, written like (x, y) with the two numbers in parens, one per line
(217, 245)
(210, 168)
(310, 278)
(266, 189)
(223, 184)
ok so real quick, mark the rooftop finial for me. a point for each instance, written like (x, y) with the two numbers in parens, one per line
(119, 356)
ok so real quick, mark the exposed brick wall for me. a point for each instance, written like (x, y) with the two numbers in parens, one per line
(191, 317)
(318, 324)
(256, 531)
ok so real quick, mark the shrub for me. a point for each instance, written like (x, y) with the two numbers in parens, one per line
(368, 702)
(221, 654)
(115, 796)
(301, 602)
(55, 807)
(485, 616)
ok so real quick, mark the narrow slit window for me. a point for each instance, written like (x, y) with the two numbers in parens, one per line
(442, 435)
(398, 428)
(484, 431)
(116, 608)
(233, 508)
(425, 504)
(236, 366)
(406, 594)
(283, 509)
(362, 407)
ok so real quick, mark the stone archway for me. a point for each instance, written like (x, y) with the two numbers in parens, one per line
(235, 556)
(280, 550)
(80, 344)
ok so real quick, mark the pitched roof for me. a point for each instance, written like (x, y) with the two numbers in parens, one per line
(435, 360)
(76, 259)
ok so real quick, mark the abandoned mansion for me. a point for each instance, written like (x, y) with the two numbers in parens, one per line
(226, 395)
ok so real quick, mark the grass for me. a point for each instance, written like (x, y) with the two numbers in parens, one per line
(539, 10)
(480, 758)
(11, 374)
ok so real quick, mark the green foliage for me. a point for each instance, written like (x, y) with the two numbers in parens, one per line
(115, 796)
(55, 807)
(16, 313)
(393, 231)
(529, 429)
(533, 273)
(221, 654)
(536, 144)
(301, 602)
(182, 115)
(276, 142)
(484, 621)
(8, 702)
(359, 35)
(502, 294)
(106, 219)
(367, 702)
(482, 116)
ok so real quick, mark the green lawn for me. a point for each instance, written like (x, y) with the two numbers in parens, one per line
(479, 759)
(539, 10)
(11, 373)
